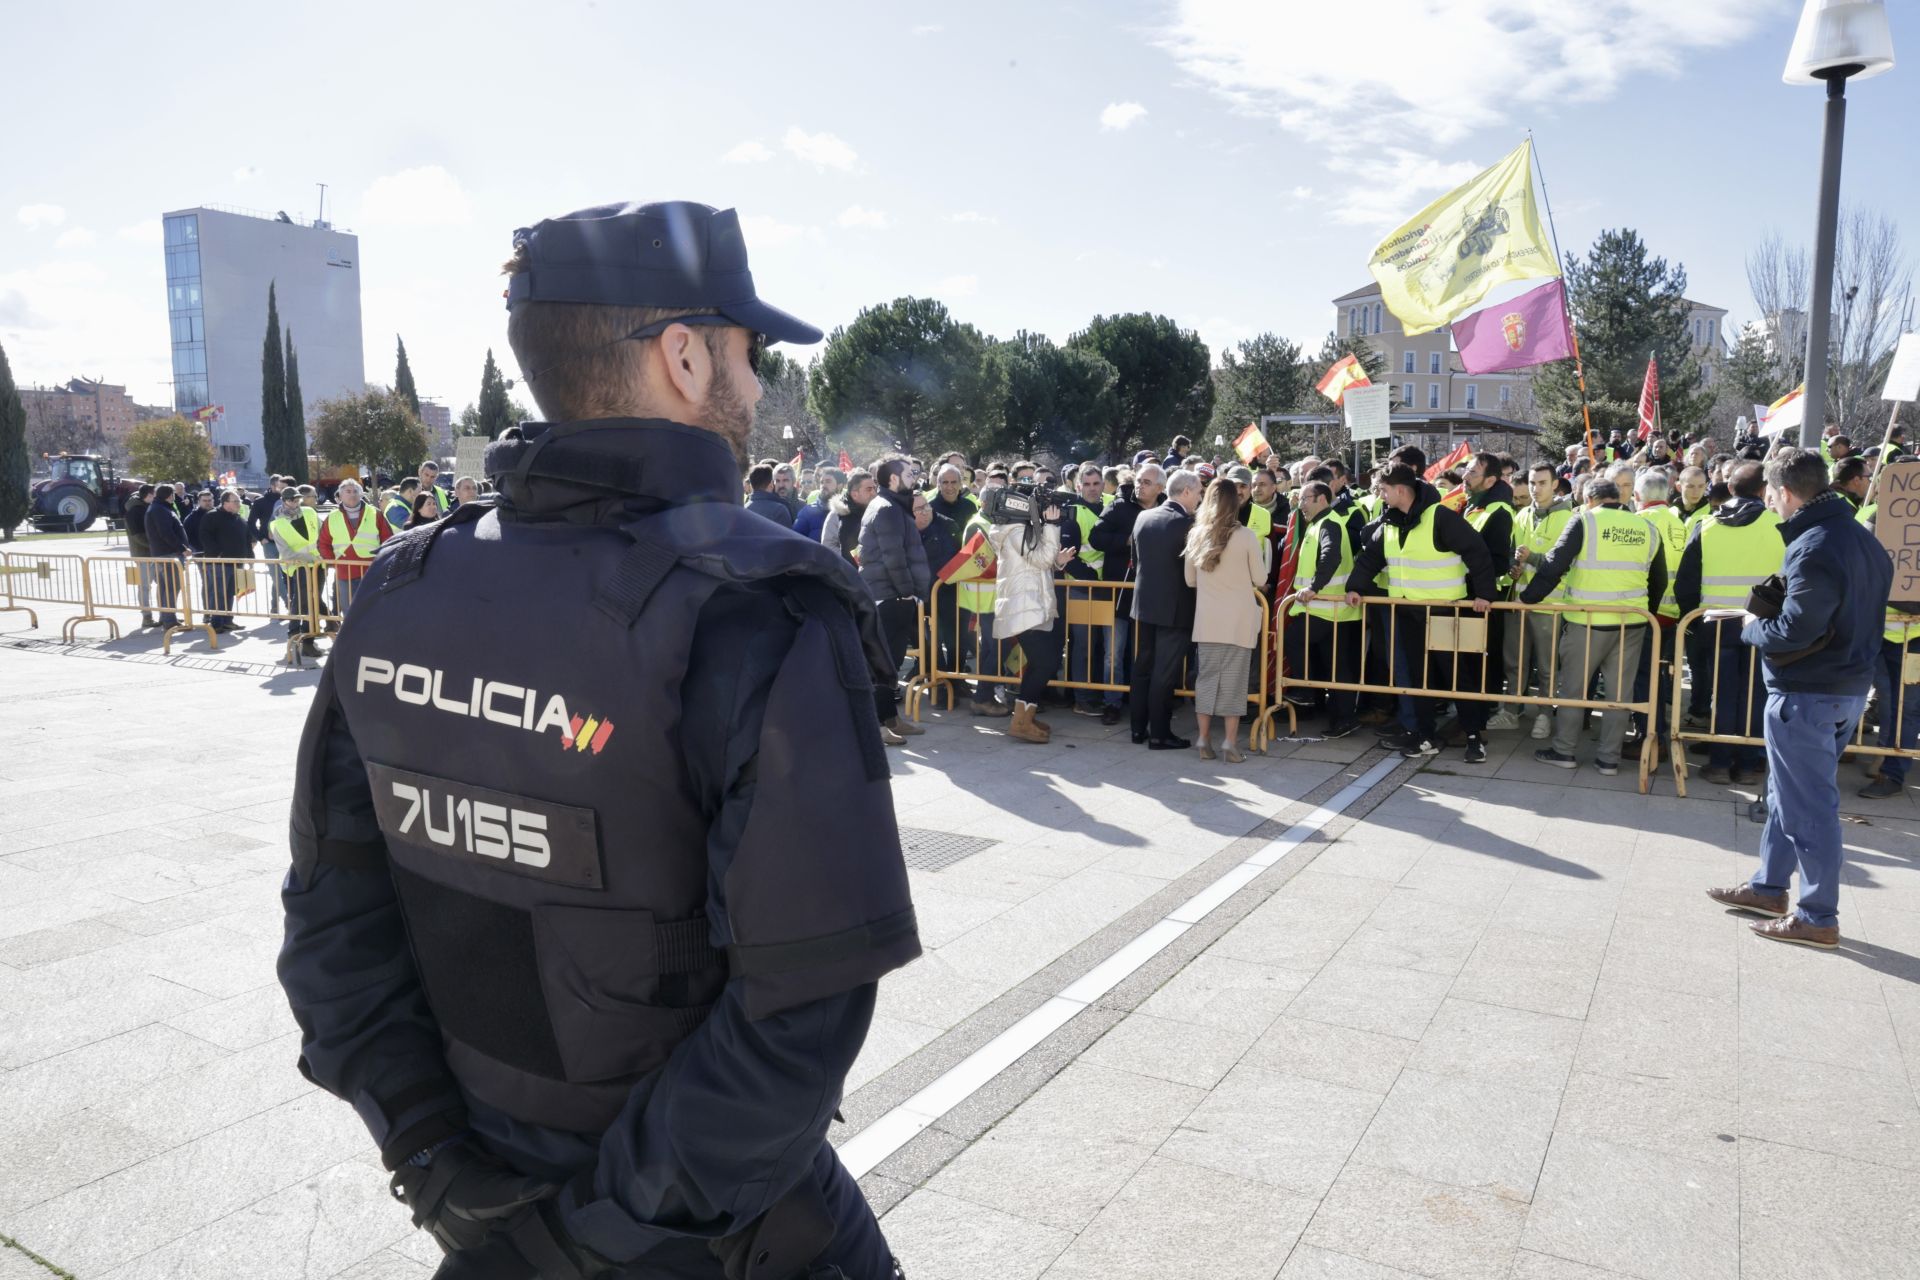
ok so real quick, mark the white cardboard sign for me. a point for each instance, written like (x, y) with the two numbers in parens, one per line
(1903, 376)
(1368, 412)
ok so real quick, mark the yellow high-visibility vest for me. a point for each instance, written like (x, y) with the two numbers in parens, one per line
(1538, 533)
(1333, 605)
(1617, 548)
(1422, 571)
(365, 540)
(298, 541)
(1673, 540)
(1734, 558)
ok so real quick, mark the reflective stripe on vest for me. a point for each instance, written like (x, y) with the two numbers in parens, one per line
(1087, 517)
(1478, 517)
(1332, 606)
(297, 542)
(1422, 571)
(1735, 557)
(1617, 548)
(364, 540)
(1538, 535)
(1673, 540)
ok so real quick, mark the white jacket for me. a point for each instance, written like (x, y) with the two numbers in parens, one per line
(1023, 594)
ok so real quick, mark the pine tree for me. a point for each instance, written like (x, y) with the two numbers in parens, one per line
(296, 403)
(495, 411)
(15, 468)
(274, 435)
(403, 379)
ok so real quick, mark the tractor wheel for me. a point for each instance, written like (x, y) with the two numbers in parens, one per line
(69, 507)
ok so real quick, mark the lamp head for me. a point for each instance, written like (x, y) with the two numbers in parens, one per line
(1844, 38)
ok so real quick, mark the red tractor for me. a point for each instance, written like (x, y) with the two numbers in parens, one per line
(80, 489)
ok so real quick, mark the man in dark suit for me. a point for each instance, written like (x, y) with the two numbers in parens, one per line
(1163, 606)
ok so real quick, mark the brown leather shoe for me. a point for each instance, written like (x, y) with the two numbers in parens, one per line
(1744, 897)
(990, 707)
(1794, 929)
(905, 727)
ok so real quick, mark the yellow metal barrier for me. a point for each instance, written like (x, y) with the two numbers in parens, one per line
(48, 579)
(1749, 692)
(1098, 606)
(1458, 629)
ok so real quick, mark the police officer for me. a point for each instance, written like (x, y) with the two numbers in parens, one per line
(1609, 556)
(549, 928)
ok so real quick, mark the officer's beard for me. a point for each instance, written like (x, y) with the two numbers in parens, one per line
(727, 412)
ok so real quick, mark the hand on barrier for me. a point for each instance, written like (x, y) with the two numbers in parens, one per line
(1481, 606)
(1353, 597)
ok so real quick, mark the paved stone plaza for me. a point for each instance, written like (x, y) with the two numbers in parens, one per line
(1477, 1022)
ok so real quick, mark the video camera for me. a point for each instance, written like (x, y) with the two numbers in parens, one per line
(1023, 503)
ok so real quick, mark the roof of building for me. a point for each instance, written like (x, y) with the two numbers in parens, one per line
(1704, 306)
(1369, 291)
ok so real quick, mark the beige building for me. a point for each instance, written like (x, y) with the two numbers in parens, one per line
(1427, 375)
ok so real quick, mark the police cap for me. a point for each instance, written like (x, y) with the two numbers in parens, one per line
(675, 254)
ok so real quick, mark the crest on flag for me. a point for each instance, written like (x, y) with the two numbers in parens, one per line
(1513, 327)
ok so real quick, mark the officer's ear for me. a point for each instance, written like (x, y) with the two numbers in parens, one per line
(685, 366)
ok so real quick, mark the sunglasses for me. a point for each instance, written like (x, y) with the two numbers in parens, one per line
(756, 342)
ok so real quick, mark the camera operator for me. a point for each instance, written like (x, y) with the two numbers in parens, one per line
(1027, 550)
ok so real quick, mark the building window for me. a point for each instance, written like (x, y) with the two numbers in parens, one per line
(1406, 362)
(1433, 362)
(1433, 394)
(1473, 395)
(1506, 394)
(1376, 317)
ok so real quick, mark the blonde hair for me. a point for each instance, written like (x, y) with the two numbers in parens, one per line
(1213, 526)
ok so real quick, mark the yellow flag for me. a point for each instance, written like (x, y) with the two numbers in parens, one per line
(1462, 245)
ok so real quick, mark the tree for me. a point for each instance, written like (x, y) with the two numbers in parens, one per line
(403, 378)
(1163, 385)
(170, 448)
(1267, 375)
(493, 412)
(1754, 372)
(783, 403)
(1059, 400)
(284, 439)
(16, 467)
(908, 373)
(374, 430)
(296, 403)
(1627, 306)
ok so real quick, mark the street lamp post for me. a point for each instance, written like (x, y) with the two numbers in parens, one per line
(1837, 40)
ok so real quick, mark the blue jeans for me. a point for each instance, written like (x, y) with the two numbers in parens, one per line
(1894, 717)
(1806, 732)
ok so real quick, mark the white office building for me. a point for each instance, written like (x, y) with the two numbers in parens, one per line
(219, 264)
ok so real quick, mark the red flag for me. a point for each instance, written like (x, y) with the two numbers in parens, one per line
(1461, 452)
(1650, 399)
(846, 463)
(1251, 444)
(1346, 372)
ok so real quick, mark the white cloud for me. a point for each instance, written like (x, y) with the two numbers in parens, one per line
(1272, 60)
(69, 317)
(148, 232)
(974, 216)
(246, 173)
(1221, 333)
(867, 219)
(957, 287)
(928, 29)
(1385, 188)
(763, 232)
(428, 196)
(1119, 115)
(752, 151)
(1302, 193)
(821, 150)
(78, 238)
(35, 216)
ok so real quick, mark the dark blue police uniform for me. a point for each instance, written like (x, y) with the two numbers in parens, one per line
(565, 923)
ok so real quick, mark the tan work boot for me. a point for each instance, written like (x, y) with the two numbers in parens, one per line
(904, 727)
(1024, 728)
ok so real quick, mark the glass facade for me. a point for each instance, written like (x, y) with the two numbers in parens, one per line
(185, 314)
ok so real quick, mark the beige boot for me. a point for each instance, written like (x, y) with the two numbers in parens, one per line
(1023, 727)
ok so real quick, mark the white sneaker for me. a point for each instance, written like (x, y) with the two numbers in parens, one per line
(1503, 719)
(1542, 726)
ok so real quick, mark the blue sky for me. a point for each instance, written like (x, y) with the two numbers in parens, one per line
(1227, 164)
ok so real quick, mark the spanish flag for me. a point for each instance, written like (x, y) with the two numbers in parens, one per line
(1462, 452)
(974, 563)
(1251, 445)
(1347, 372)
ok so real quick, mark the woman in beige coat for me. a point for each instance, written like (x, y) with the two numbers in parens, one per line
(1224, 565)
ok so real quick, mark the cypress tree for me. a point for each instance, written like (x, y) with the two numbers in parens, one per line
(15, 468)
(403, 379)
(273, 397)
(495, 409)
(296, 404)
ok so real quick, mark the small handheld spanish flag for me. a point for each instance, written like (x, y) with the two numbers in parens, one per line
(1346, 372)
(1251, 445)
(974, 563)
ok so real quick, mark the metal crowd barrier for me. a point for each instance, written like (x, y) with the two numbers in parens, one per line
(47, 579)
(1101, 607)
(1749, 694)
(1455, 628)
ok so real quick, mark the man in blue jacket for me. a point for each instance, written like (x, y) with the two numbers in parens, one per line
(1818, 656)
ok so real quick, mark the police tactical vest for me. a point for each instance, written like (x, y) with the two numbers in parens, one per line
(1421, 570)
(1734, 558)
(1616, 549)
(548, 852)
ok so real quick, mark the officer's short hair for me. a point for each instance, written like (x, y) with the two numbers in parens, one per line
(1600, 489)
(1848, 469)
(1339, 468)
(760, 477)
(572, 355)
(428, 465)
(1322, 474)
(1798, 471)
(1410, 454)
(409, 485)
(1747, 480)
(163, 493)
(1402, 474)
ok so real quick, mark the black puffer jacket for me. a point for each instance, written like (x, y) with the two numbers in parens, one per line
(893, 564)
